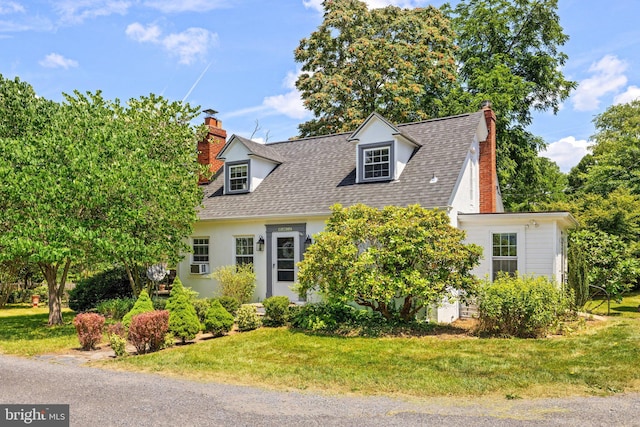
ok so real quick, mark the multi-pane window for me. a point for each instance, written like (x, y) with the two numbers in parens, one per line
(244, 250)
(505, 253)
(239, 177)
(377, 163)
(200, 250)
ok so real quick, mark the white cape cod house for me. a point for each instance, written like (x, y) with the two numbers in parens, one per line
(267, 201)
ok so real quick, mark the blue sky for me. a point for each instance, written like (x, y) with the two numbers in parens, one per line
(236, 56)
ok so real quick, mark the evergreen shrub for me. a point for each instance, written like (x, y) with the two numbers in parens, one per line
(183, 319)
(143, 305)
(217, 320)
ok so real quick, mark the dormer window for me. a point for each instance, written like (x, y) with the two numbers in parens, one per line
(376, 162)
(237, 177)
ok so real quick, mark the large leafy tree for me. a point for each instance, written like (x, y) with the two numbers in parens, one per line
(615, 159)
(403, 63)
(378, 257)
(509, 53)
(97, 181)
(397, 62)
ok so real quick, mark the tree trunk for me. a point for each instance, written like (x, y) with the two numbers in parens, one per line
(56, 289)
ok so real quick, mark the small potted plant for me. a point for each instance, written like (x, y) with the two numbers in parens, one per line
(37, 294)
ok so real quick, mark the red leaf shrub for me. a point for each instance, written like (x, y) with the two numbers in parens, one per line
(148, 330)
(117, 329)
(89, 327)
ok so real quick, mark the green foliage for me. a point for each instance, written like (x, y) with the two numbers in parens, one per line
(115, 308)
(237, 281)
(230, 304)
(183, 319)
(89, 328)
(521, 306)
(334, 317)
(578, 276)
(374, 257)
(106, 285)
(148, 331)
(510, 53)
(616, 153)
(397, 62)
(143, 305)
(276, 311)
(91, 180)
(247, 318)
(117, 339)
(611, 268)
(217, 320)
(202, 306)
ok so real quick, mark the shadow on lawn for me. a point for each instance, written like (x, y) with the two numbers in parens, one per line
(33, 326)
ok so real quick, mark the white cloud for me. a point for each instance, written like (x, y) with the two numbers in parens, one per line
(188, 46)
(55, 60)
(174, 6)
(140, 33)
(289, 104)
(607, 77)
(76, 11)
(8, 7)
(631, 94)
(373, 4)
(567, 152)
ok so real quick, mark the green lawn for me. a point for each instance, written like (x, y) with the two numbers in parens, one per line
(628, 308)
(601, 359)
(24, 331)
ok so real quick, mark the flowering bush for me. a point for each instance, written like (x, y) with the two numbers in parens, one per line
(89, 328)
(247, 318)
(147, 331)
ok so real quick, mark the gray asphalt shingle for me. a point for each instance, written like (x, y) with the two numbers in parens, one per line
(318, 172)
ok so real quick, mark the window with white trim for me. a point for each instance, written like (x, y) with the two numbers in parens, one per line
(200, 250)
(238, 178)
(504, 253)
(376, 162)
(244, 250)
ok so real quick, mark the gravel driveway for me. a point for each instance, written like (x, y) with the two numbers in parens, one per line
(100, 397)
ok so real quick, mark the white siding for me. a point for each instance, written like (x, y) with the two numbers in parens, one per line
(221, 236)
(260, 168)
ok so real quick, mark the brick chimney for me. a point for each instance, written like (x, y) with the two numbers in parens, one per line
(487, 162)
(210, 147)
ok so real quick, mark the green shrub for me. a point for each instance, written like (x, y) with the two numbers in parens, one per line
(143, 305)
(109, 284)
(183, 319)
(217, 320)
(89, 329)
(345, 319)
(148, 331)
(276, 311)
(230, 304)
(117, 340)
(522, 306)
(202, 306)
(160, 303)
(237, 281)
(115, 308)
(247, 318)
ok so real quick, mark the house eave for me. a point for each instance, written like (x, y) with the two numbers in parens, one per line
(564, 218)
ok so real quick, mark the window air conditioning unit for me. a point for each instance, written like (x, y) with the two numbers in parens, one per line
(199, 268)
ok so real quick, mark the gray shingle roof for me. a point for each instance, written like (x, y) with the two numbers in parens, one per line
(318, 172)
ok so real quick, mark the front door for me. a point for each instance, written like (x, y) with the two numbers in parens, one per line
(285, 250)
